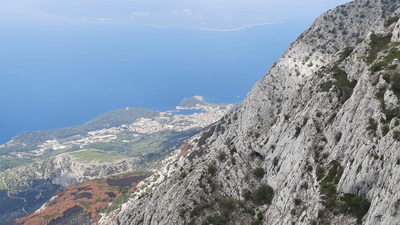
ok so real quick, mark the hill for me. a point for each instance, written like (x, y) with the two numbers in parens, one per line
(33, 166)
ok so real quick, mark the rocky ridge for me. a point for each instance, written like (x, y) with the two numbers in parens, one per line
(316, 140)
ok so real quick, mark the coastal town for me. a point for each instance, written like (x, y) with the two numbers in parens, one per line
(192, 113)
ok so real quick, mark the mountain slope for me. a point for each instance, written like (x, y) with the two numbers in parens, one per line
(316, 140)
(83, 202)
(33, 167)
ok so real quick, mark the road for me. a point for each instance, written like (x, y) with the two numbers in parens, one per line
(13, 197)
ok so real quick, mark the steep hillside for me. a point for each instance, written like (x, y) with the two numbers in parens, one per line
(315, 142)
(34, 167)
(83, 202)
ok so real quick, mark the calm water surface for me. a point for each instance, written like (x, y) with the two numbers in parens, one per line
(57, 76)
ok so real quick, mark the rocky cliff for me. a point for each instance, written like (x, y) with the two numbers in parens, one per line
(316, 140)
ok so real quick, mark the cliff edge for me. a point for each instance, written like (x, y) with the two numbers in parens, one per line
(316, 140)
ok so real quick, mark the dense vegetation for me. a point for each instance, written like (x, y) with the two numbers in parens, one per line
(106, 120)
(31, 199)
(341, 81)
(93, 196)
(336, 203)
(378, 43)
(189, 102)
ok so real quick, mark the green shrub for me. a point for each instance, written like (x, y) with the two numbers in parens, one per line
(212, 169)
(377, 66)
(199, 209)
(247, 194)
(344, 85)
(320, 172)
(297, 201)
(391, 20)
(395, 84)
(346, 53)
(84, 204)
(183, 174)
(221, 156)
(385, 129)
(378, 43)
(117, 202)
(386, 77)
(304, 185)
(372, 125)
(212, 183)
(227, 204)
(256, 222)
(355, 205)
(222, 207)
(260, 216)
(328, 185)
(216, 220)
(249, 211)
(391, 113)
(259, 172)
(342, 82)
(396, 135)
(263, 195)
(347, 204)
(385, 62)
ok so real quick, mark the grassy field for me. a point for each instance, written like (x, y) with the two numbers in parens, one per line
(95, 156)
(6, 163)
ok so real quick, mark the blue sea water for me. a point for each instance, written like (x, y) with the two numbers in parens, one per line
(56, 76)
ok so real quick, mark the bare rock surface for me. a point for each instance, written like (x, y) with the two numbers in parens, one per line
(321, 128)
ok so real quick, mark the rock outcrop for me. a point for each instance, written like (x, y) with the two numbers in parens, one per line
(315, 141)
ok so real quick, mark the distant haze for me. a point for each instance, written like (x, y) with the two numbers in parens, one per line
(200, 14)
(64, 62)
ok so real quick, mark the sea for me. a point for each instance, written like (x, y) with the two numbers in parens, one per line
(54, 76)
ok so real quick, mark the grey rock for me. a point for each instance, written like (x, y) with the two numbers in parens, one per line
(296, 119)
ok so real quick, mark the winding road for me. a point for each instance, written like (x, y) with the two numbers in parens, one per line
(13, 197)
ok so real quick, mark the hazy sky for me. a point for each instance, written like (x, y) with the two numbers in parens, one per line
(203, 14)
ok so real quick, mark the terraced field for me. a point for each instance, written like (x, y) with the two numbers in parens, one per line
(93, 155)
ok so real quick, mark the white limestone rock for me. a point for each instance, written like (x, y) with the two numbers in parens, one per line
(304, 116)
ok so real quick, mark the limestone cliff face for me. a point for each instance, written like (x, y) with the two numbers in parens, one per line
(65, 170)
(315, 141)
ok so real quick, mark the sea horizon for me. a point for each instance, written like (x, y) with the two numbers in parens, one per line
(79, 72)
